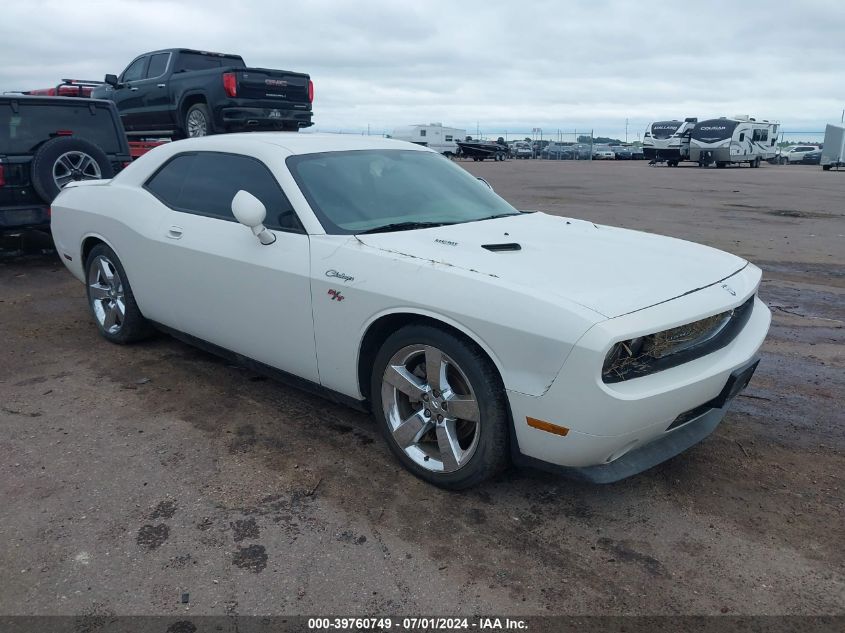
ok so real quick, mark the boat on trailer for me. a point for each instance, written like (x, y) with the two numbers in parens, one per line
(479, 150)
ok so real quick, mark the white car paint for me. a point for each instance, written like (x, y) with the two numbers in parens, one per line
(546, 315)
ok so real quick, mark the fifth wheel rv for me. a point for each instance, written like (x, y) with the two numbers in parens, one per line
(741, 139)
(440, 139)
(668, 141)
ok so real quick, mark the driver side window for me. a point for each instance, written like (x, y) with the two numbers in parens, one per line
(204, 183)
(135, 70)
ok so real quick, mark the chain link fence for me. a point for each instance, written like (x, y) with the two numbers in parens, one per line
(530, 143)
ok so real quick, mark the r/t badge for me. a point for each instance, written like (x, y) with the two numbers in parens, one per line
(336, 296)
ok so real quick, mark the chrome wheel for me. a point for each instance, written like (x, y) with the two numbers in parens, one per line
(431, 408)
(75, 165)
(105, 292)
(197, 124)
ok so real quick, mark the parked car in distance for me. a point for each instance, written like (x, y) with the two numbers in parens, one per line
(812, 158)
(625, 361)
(637, 152)
(795, 154)
(621, 153)
(191, 93)
(47, 142)
(521, 149)
(538, 147)
(603, 152)
(558, 151)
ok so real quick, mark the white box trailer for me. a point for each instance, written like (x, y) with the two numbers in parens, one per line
(833, 152)
(434, 135)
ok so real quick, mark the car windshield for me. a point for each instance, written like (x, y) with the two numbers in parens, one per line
(365, 190)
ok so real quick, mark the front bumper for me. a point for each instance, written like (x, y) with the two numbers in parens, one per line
(608, 421)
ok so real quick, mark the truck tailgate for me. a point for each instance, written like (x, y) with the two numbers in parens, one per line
(273, 85)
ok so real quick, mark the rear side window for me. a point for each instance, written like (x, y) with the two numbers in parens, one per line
(204, 183)
(158, 64)
(22, 131)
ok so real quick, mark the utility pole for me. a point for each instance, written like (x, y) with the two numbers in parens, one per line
(626, 130)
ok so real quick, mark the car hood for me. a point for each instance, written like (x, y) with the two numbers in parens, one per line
(609, 270)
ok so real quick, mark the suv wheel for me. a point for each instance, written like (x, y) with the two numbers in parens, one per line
(66, 159)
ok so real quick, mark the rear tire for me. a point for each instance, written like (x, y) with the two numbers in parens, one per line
(198, 121)
(721, 165)
(450, 429)
(110, 298)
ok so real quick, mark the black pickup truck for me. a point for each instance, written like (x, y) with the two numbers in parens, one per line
(182, 92)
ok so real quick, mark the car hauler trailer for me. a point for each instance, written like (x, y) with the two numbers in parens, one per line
(741, 139)
(833, 152)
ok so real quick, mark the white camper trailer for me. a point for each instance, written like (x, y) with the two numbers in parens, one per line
(434, 135)
(833, 152)
(740, 139)
(668, 141)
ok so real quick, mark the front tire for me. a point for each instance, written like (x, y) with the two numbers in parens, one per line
(441, 406)
(110, 298)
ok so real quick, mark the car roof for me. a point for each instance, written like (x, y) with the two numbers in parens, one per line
(295, 142)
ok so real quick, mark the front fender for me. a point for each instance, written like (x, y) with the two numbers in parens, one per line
(527, 335)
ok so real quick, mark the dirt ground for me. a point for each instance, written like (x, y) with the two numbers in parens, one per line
(130, 476)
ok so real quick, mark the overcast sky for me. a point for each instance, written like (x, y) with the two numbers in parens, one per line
(512, 65)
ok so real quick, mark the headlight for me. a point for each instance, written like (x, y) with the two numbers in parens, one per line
(649, 354)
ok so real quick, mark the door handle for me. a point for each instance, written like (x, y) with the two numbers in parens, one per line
(161, 85)
(174, 232)
(133, 89)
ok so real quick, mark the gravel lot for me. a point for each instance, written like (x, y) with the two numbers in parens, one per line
(130, 476)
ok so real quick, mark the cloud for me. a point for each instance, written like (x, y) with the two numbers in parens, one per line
(501, 65)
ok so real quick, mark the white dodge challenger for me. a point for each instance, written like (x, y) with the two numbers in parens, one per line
(384, 276)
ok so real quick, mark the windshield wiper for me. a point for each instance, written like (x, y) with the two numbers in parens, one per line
(499, 215)
(403, 226)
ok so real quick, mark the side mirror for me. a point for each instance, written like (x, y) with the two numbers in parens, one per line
(111, 80)
(250, 212)
(486, 183)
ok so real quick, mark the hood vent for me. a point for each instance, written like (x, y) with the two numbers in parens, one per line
(501, 248)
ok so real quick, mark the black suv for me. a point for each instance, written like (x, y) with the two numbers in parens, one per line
(46, 142)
